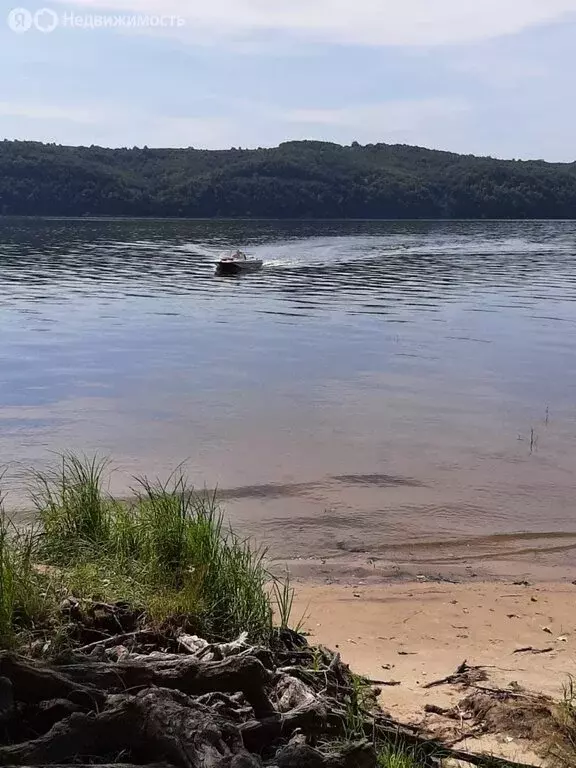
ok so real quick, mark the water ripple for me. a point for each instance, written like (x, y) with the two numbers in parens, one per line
(368, 352)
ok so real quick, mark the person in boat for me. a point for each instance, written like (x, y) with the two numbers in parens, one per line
(240, 255)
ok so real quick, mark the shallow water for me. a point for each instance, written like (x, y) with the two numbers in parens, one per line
(375, 384)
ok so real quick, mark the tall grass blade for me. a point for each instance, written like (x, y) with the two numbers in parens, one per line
(72, 507)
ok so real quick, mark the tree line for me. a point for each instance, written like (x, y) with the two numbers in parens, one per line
(298, 179)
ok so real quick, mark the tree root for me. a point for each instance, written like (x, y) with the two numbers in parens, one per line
(250, 709)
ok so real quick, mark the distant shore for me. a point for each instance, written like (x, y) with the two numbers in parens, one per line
(297, 179)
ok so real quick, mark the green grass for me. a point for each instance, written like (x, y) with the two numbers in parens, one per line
(73, 511)
(181, 540)
(167, 551)
(562, 745)
(360, 701)
(284, 593)
(8, 582)
(398, 757)
(569, 697)
(26, 597)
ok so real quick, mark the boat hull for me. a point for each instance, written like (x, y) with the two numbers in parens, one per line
(234, 267)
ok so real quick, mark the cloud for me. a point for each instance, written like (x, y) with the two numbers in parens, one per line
(110, 125)
(409, 121)
(371, 22)
(47, 112)
(450, 124)
(423, 122)
(503, 96)
(391, 115)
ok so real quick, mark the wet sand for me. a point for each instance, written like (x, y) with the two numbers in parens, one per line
(507, 557)
(415, 633)
(492, 517)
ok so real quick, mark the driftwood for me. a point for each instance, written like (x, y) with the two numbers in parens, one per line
(464, 675)
(386, 683)
(294, 755)
(32, 683)
(155, 724)
(187, 674)
(209, 706)
(311, 718)
(116, 640)
(530, 649)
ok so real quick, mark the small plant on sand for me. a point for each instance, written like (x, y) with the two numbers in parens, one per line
(569, 697)
(284, 599)
(563, 746)
(399, 757)
(360, 700)
(284, 593)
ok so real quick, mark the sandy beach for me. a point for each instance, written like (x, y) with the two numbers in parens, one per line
(415, 633)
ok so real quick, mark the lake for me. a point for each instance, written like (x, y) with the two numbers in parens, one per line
(402, 391)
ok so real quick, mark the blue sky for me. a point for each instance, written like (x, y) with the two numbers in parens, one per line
(490, 77)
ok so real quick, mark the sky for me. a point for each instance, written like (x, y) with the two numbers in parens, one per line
(487, 77)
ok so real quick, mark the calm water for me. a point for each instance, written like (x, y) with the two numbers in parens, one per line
(376, 383)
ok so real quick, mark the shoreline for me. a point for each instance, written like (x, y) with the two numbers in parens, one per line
(354, 571)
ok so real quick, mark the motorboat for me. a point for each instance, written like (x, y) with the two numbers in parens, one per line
(237, 263)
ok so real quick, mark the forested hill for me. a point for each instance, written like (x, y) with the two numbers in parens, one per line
(297, 179)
